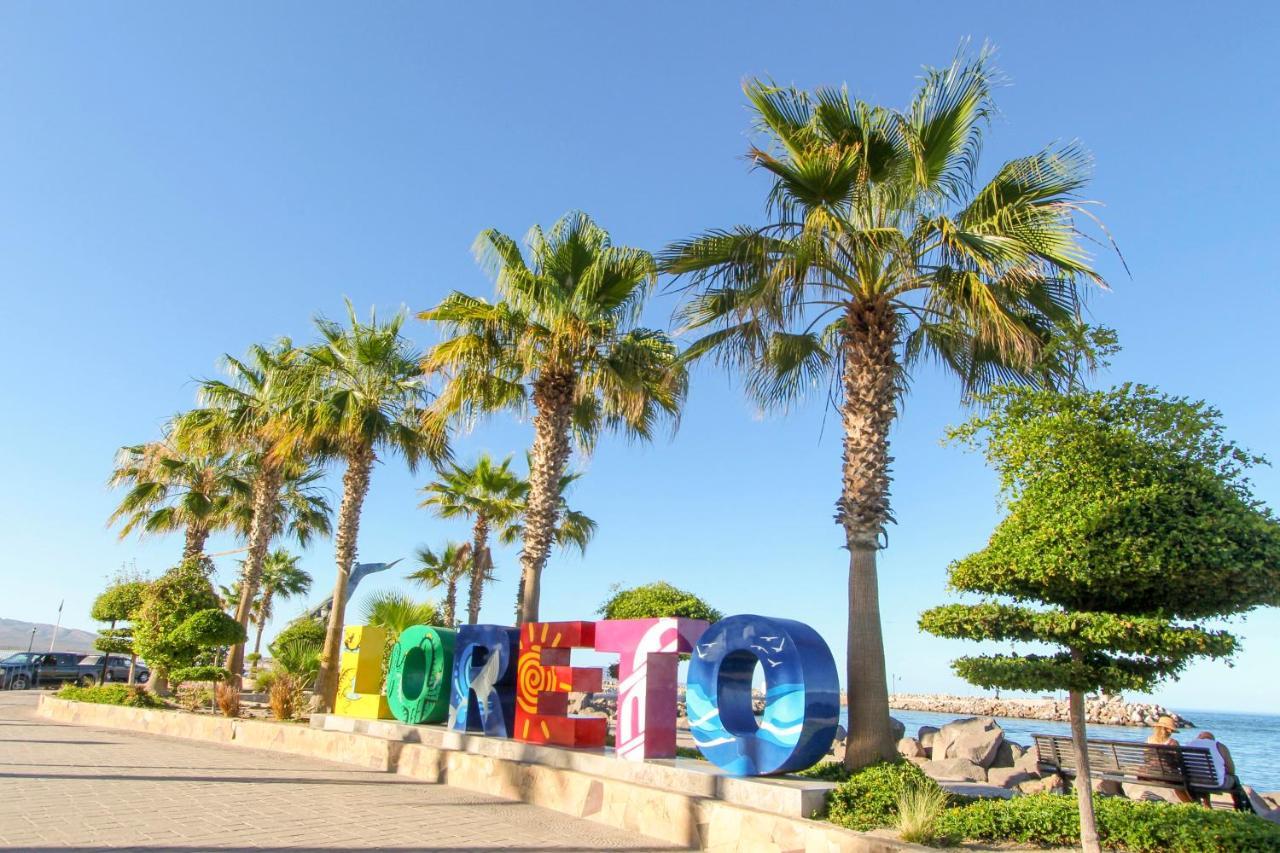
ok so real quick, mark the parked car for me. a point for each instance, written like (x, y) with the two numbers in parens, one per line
(117, 670)
(20, 671)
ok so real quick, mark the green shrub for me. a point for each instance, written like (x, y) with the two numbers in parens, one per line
(868, 799)
(130, 696)
(199, 673)
(304, 628)
(827, 771)
(263, 679)
(1052, 820)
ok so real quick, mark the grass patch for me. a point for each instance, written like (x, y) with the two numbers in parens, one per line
(869, 798)
(920, 809)
(129, 696)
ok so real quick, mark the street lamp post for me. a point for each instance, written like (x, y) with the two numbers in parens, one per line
(32, 641)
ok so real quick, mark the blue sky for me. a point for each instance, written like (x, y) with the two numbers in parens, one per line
(179, 181)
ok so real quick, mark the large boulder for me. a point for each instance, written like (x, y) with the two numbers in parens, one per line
(1051, 784)
(1008, 754)
(954, 770)
(1009, 777)
(926, 736)
(909, 747)
(976, 739)
(898, 728)
(1028, 762)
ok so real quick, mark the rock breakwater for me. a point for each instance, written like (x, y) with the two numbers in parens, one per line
(1105, 710)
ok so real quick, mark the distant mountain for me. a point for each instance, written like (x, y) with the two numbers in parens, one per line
(15, 634)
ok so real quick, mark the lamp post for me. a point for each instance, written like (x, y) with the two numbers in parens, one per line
(32, 641)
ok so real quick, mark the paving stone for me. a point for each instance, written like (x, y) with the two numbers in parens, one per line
(78, 787)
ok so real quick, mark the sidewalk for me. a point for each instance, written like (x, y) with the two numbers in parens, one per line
(78, 788)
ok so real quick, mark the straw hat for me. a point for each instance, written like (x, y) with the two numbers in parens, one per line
(1166, 722)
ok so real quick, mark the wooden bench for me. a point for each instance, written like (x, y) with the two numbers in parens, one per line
(1186, 768)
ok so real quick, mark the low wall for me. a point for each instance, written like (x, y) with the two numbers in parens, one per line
(679, 801)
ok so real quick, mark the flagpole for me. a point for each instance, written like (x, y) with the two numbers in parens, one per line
(57, 625)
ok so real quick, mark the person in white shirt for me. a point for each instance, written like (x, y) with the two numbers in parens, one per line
(1223, 767)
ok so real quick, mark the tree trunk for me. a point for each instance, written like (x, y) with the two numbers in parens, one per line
(266, 492)
(355, 485)
(158, 683)
(264, 613)
(480, 563)
(1084, 781)
(553, 400)
(106, 657)
(519, 597)
(451, 604)
(194, 545)
(867, 412)
(133, 665)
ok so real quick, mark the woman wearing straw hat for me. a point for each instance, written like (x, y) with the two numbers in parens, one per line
(1162, 731)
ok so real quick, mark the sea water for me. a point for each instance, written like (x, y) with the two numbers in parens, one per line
(1254, 739)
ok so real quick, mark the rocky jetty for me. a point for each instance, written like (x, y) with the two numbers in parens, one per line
(1104, 710)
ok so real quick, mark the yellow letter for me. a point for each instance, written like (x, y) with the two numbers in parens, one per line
(360, 674)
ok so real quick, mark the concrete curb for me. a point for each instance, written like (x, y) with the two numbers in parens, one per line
(679, 805)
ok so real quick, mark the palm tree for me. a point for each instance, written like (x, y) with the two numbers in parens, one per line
(177, 484)
(246, 414)
(281, 578)
(490, 494)
(880, 254)
(397, 612)
(366, 395)
(573, 528)
(446, 568)
(563, 336)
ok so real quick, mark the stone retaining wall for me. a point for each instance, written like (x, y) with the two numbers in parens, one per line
(694, 807)
(1105, 711)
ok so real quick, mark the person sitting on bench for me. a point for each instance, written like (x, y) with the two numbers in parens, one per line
(1224, 767)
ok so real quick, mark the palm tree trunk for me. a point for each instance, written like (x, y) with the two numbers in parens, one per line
(194, 545)
(1084, 780)
(133, 666)
(553, 400)
(868, 411)
(355, 485)
(266, 491)
(264, 613)
(479, 567)
(451, 604)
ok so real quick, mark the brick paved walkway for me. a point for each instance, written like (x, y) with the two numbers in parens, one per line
(78, 788)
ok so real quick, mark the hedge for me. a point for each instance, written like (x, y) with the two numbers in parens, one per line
(128, 695)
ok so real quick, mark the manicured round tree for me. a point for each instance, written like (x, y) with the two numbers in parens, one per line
(180, 622)
(655, 600)
(1130, 524)
(117, 603)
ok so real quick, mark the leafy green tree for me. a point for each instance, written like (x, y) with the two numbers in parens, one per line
(365, 395)
(1130, 525)
(881, 253)
(175, 484)
(281, 578)
(304, 629)
(180, 623)
(488, 493)
(247, 415)
(655, 600)
(118, 603)
(563, 337)
(446, 568)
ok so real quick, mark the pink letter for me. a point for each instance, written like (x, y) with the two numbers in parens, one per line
(647, 680)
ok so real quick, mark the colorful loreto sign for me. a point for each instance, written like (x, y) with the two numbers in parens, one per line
(515, 682)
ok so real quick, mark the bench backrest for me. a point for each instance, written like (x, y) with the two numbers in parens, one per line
(1190, 765)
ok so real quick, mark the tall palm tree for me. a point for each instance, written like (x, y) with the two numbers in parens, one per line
(574, 529)
(281, 578)
(365, 396)
(880, 253)
(176, 484)
(563, 337)
(454, 562)
(488, 493)
(246, 413)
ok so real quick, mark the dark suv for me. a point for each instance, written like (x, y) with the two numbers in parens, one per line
(117, 670)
